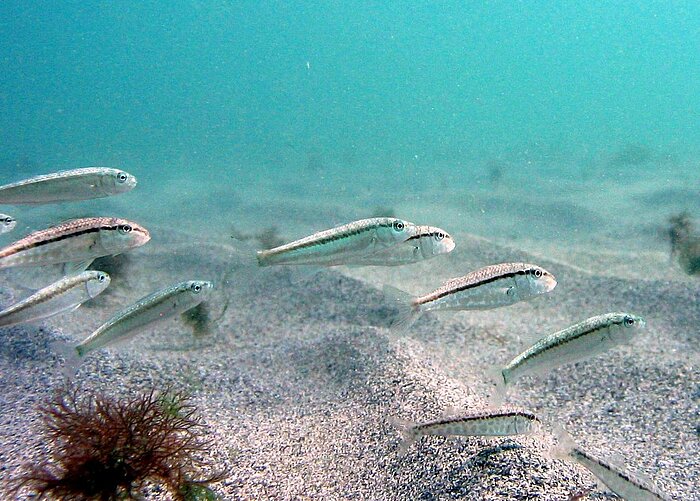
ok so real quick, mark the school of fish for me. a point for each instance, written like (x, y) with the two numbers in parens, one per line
(379, 241)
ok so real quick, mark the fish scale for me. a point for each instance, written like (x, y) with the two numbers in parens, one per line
(578, 342)
(159, 305)
(489, 287)
(346, 244)
(621, 482)
(63, 295)
(492, 423)
(68, 185)
(74, 241)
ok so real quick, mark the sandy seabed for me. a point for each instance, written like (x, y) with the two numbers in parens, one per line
(298, 379)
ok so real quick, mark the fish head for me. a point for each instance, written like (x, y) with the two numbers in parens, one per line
(629, 326)
(117, 181)
(7, 223)
(97, 282)
(123, 235)
(401, 230)
(199, 288)
(528, 423)
(539, 280)
(432, 241)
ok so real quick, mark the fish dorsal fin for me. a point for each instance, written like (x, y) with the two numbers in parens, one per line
(450, 282)
(66, 220)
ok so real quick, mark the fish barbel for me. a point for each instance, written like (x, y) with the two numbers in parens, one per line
(64, 295)
(354, 243)
(68, 185)
(75, 241)
(159, 305)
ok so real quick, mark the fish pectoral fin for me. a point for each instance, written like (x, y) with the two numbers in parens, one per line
(509, 291)
(76, 267)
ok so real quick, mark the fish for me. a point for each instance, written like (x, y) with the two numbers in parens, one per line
(7, 223)
(486, 288)
(77, 241)
(68, 185)
(354, 243)
(616, 478)
(583, 340)
(428, 243)
(64, 295)
(162, 304)
(491, 423)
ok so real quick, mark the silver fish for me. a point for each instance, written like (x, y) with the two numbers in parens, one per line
(353, 243)
(68, 185)
(490, 287)
(623, 483)
(7, 223)
(428, 243)
(578, 342)
(160, 305)
(75, 241)
(494, 423)
(64, 295)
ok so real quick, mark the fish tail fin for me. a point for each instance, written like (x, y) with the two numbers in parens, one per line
(499, 378)
(564, 443)
(406, 431)
(408, 311)
(71, 354)
(262, 258)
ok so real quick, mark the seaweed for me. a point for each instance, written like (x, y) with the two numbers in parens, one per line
(685, 243)
(199, 319)
(267, 238)
(106, 449)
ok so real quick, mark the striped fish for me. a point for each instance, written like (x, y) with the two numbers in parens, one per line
(75, 241)
(493, 423)
(160, 305)
(64, 295)
(354, 243)
(616, 478)
(578, 342)
(68, 185)
(7, 223)
(428, 243)
(490, 287)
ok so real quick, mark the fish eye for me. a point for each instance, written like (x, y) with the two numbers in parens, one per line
(629, 321)
(101, 277)
(538, 273)
(125, 228)
(439, 236)
(122, 177)
(196, 288)
(398, 225)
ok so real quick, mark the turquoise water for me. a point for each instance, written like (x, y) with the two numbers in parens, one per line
(559, 133)
(169, 85)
